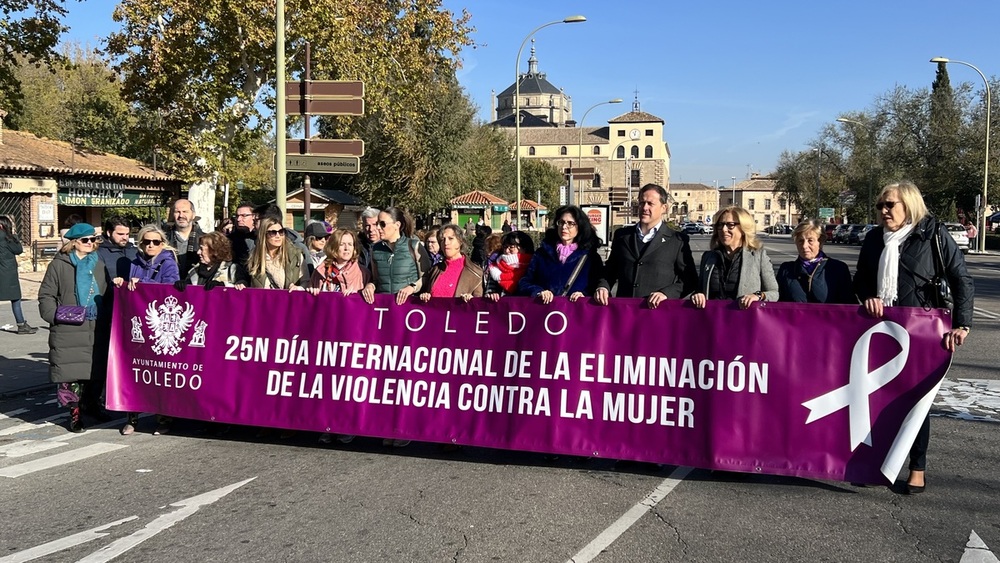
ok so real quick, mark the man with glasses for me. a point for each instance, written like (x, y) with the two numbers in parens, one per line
(184, 235)
(243, 234)
(370, 234)
(649, 259)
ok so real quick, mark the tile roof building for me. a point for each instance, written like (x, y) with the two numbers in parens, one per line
(759, 196)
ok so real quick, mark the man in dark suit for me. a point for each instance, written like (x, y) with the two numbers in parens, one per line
(649, 259)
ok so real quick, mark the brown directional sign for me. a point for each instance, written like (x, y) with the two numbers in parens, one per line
(325, 89)
(579, 173)
(325, 106)
(332, 147)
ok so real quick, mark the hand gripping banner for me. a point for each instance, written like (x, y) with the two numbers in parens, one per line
(821, 391)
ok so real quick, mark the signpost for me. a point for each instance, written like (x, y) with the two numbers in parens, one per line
(826, 212)
(323, 164)
(579, 173)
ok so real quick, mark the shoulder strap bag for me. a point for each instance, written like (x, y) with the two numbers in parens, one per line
(573, 276)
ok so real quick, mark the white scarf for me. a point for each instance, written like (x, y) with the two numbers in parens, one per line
(888, 264)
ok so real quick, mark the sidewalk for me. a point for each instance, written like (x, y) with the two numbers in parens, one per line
(24, 359)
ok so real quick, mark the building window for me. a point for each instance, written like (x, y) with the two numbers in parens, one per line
(750, 204)
(767, 203)
(701, 207)
(621, 152)
(674, 209)
(782, 219)
(597, 181)
(531, 151)
(597, 149)
(562, 151)
(767, 220)
(649, 132)
(635, 179)
(781, 204)
(684, 208)
(635, 151)
(649, 151)
(621, 133)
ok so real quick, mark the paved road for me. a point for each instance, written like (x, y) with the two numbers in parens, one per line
(199, 497)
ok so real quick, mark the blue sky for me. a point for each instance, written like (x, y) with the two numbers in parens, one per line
(736, 82)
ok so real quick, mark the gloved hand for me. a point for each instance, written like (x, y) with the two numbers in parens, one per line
(179, 285)
(212, 283)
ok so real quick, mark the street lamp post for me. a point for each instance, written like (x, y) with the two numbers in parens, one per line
(986, 163)
(579, 146)
(280, 175)
(733, 202)
(819, 155)
(871, 166)
(517, 105)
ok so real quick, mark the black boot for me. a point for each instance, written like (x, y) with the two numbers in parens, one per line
(25, 328)
(75, 424)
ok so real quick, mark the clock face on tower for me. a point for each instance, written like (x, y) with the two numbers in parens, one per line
(634, 134)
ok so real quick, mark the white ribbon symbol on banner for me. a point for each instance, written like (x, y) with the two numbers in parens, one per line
(862, 383)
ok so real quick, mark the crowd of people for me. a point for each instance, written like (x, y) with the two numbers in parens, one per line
(897, 266)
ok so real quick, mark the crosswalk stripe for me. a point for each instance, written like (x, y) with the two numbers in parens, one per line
(28, 447)
(49, 462)
(15, 412)
(63, 543)
(33, 425)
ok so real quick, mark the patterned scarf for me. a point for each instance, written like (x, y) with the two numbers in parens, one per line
(810, 265)
(86, 283)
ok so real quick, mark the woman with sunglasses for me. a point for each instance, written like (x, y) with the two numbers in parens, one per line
(567, 262)
(737, 268)
(275, 263)
(896, 262)
(156, 262)
(398, 259)
(316, 238)
(70, 280)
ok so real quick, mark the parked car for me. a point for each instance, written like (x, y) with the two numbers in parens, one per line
(840, 236)
(831, 228)
(691, 228)
(864, 232)
(707, 229)
(854, 235)
(960, 235)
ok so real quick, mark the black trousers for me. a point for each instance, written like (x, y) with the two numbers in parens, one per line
(918, 451)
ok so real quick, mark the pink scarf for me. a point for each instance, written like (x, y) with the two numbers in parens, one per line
(564, 251)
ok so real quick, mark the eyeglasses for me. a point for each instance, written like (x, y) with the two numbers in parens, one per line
(244, 214)
(275, 232)
(147, 241)
(89, 240)
(728, 225)
(382, 224)
(571, 224)
(886, 205)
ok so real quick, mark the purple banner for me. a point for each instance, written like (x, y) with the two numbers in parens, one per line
(820, 391)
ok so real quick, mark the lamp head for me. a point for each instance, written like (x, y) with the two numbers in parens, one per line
(575, 19)
(615, 101)
(940, 60)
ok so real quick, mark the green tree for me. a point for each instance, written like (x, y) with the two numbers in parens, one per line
(29, 30)
(539, 175)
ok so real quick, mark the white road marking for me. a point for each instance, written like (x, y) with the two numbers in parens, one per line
(21, 469)
(28, 447)
(620, 526)
(977, 552)
(33, 425)
(186, 508)
(988, 314)
(14, 412)
(63, 543)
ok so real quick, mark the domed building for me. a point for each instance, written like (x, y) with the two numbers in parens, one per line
(625, 154)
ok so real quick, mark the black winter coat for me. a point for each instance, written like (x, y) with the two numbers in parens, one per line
(830, 283)
(916, 266)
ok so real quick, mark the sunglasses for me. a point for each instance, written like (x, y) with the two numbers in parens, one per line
(324, 237)
(148, 241)
(885, 205)
(275, 232)
(89, 240)
(570, 224)
(728, 224)
(382, 224)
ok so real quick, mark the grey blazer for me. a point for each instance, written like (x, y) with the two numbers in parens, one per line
(756, 273)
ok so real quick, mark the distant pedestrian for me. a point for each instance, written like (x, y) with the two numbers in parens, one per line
(10, 283)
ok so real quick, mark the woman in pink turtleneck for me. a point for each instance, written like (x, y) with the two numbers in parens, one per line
(456, 275)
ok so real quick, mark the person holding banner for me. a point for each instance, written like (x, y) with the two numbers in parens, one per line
(276, 263)
(340, 272)
(567, 262)
(897, 266)
(456, 275)
(738, 267)
(215, 267)
(156, 262)
(814, 277)
(649, 259)
(74, 283)
(432, 245)
(316, 239)
(398, 259)
(502, 277)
